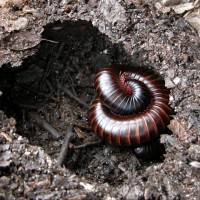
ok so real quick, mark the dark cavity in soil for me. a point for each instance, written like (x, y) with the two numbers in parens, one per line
(34, 94)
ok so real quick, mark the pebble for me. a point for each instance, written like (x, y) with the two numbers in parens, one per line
(20, 23)
(197, 92)
(177, 80)
(195, 164)
(171, 73)
(184, 81)
(5, 181)
(194, 152)
(169, 83)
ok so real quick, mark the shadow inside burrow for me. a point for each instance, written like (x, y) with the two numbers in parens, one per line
(68, 58)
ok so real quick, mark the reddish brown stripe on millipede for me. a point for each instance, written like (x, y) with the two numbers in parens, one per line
(131, 106)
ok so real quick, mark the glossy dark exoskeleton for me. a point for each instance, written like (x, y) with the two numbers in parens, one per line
(131, 107)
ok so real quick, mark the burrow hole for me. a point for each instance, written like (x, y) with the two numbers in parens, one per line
(34, 95)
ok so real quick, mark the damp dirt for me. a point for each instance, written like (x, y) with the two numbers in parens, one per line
(54, 87)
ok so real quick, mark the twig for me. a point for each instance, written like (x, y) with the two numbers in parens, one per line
(43, 39)
(42, 94)
(48, 127)
(72, 96)
(55, 134)
(50, 86)
(48, 68)
(60, 50)
(84, 126)
(71, 84)
(8, 138)
(64, 149)
(87, 144)
(23, 105)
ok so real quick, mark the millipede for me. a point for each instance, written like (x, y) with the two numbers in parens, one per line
(131, 106)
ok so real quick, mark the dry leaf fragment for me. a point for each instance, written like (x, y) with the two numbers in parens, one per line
(181, 8)
(79, 132)
(178, 130)
(6, 136)
(195, 164)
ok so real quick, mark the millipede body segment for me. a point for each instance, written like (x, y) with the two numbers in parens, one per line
(131, 106)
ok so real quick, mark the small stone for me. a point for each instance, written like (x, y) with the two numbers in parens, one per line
(12, 121)
(197, 92)
(195, 164)
(56, 143)
(169, 83)
(171, 98)
(184, 81)
(5, 181)
(169, 34)
(20, 23)
(177, 80)
(194, 152)
(14, 186)
(4, 164)
(170, 73)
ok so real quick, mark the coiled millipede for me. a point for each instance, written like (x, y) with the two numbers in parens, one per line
(131, 107)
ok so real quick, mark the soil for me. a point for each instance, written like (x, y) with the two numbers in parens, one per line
(50, 53)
